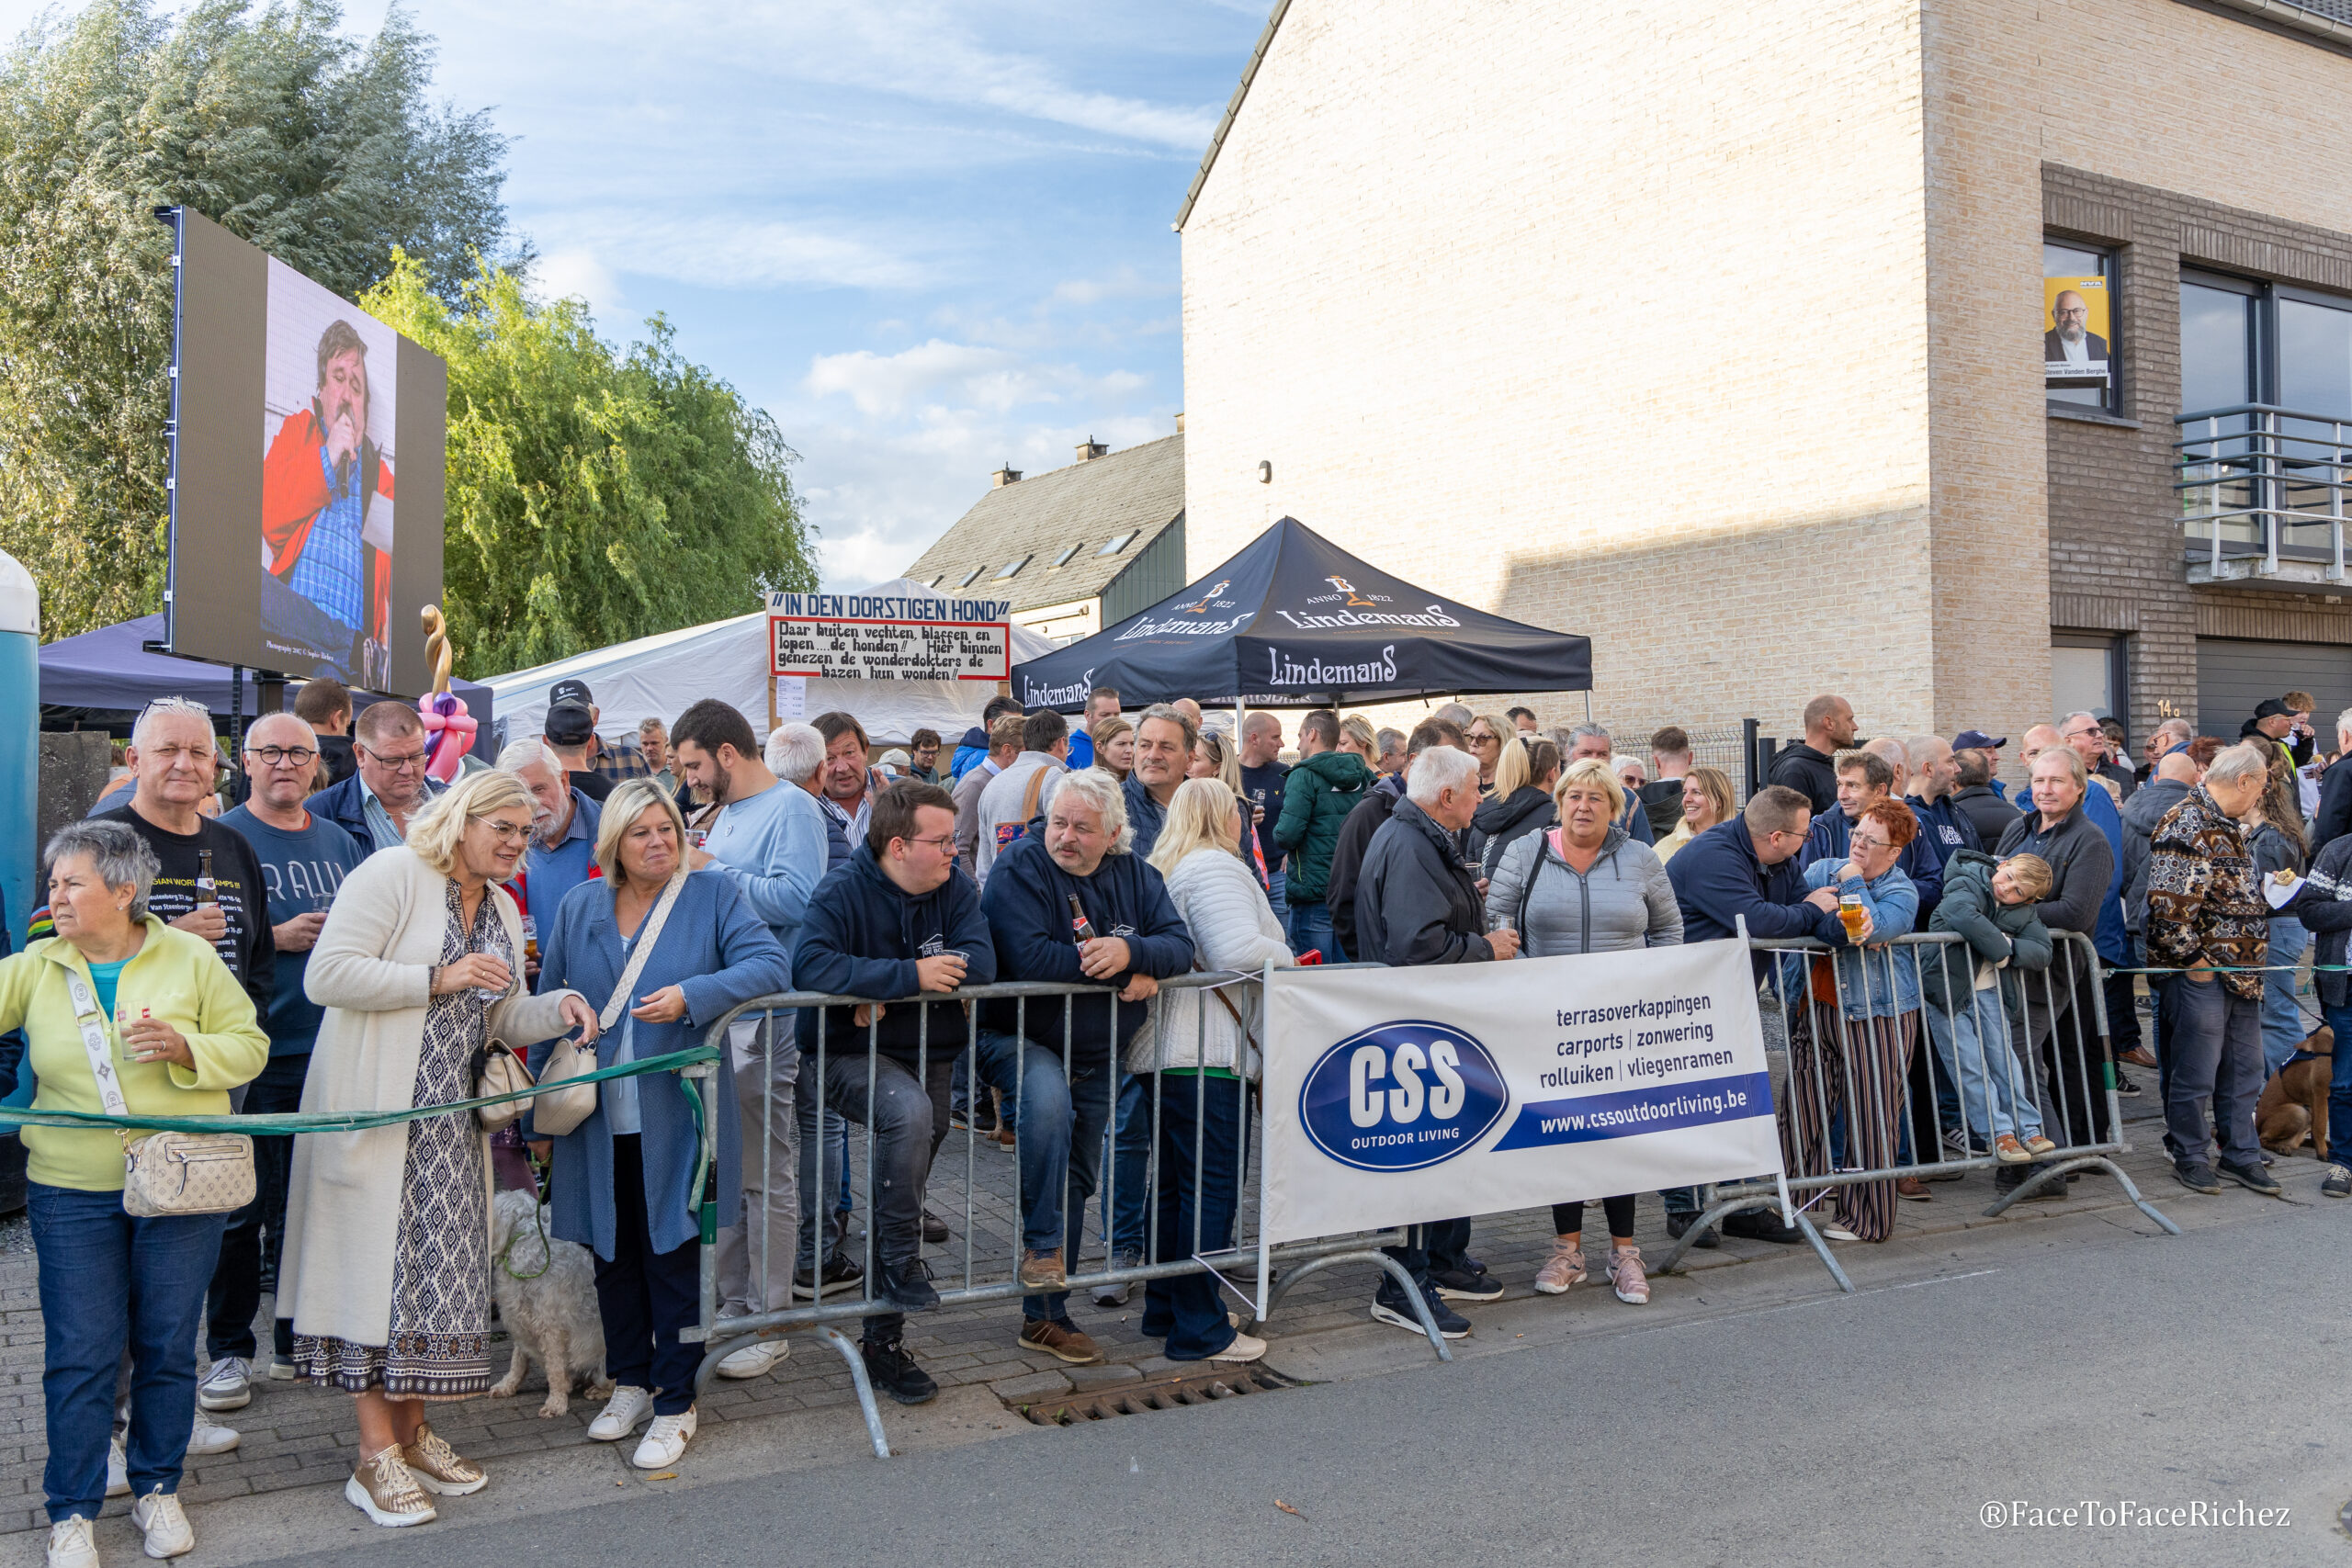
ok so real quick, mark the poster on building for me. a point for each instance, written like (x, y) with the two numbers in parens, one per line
(1493, 1086)
(851, 637)
(2076, 332)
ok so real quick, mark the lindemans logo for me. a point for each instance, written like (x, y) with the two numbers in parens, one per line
(1402, 1096)
(1201, 607)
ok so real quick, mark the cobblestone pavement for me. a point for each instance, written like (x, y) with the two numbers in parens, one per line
(295, 1435)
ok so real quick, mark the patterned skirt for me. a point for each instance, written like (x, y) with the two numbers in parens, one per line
(439, 1343)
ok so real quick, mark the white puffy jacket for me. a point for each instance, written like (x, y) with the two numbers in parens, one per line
(1233, 927)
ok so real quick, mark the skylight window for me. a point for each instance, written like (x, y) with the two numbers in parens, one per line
(971, 577)
(1118, 542)
(1013, 568)
(1063, 558)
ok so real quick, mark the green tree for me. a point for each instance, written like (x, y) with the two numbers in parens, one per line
(593, 497)
(324, 151)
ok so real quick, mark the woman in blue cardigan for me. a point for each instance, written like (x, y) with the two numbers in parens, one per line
(624, 1178)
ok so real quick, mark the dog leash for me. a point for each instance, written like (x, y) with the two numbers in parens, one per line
(546, 1249)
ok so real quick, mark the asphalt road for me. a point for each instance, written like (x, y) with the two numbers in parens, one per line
(2209, 1369)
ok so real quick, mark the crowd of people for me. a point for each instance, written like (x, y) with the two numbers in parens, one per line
(354, 935)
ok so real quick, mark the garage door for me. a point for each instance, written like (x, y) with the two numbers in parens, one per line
(2233, 676)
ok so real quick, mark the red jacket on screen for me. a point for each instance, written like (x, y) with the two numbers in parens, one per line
(293, 489)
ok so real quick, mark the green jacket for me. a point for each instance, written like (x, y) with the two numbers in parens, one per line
(177, 977)
(1316, 798)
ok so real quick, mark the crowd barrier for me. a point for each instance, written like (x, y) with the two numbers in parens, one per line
(1836, 1101)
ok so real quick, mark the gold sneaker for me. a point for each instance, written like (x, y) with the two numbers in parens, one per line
(436, 1466)
(383, 1489)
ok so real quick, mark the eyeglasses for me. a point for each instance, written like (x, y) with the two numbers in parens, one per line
(1488, 738)
(505, 833)
(2078, 734)
(1862, 843)
(396, 765)
(284, 756)
(945, 843)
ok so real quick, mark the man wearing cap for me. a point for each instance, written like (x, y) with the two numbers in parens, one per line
(613, 761)
(2274, 722)
(1976, 793)
(570, 730)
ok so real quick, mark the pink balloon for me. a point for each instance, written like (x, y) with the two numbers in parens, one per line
(449, 733)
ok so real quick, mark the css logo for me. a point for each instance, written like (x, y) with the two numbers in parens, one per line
(1401, 1095)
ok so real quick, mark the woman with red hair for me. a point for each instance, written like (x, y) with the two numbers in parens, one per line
(1862, 1006)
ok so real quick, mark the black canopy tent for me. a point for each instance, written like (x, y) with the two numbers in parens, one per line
(1295, 621)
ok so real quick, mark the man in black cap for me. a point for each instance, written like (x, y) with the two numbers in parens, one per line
(2273, 723)
(613, 761)
(570, 730)
(1976, 789)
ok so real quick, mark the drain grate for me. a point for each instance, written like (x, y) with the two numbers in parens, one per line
(1155, 1393)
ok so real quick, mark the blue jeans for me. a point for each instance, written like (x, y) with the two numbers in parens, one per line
(1062, 1119)
(2213, 1052)
(108, 1280)
(1130, 1192)
(1979, 1057)
(2284, 1028)
(1310, 929)
(1203, 1119)
(2339, 1090)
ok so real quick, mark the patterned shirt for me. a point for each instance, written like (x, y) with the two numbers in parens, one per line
(619, 759)
(2205, 903)
(329, 571)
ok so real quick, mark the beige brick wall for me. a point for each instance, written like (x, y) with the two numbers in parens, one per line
(1610, 317)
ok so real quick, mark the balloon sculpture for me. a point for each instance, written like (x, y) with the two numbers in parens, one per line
(448, 728)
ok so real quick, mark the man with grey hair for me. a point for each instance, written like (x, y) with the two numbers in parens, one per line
(1392, 752)
(2172, 735)
(564, 820)
(1072, 906)
(1456, 713)
(1165, 736)
(796, 755)
(2333, 817)
(2209, 924)
(1417, 903)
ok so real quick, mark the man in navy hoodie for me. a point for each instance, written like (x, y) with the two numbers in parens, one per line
(1748, 870)
(898, 920)
(1072, 907)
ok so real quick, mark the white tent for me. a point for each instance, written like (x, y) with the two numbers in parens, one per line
(661, 676)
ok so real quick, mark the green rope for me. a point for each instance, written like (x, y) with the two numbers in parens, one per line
(285, 1124)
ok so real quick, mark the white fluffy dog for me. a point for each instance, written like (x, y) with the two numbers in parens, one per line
(546, 1292)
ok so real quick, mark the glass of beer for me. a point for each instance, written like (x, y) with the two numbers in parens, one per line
(1849, 910)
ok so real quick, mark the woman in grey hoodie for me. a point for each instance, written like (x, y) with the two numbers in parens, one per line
(1586, 886)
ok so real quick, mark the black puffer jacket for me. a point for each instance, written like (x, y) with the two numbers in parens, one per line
(1499, 823)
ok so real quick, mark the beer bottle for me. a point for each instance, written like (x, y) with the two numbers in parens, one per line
(1082, 928)
(204, 893)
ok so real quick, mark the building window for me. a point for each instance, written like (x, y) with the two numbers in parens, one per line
(2087, 674)
(1011, 568)
(1063, 558)
(971, 577)
(936, 581)
(2080, 363)
(1118, 542)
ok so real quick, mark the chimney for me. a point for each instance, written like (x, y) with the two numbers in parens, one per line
(1180, 422)
(1003, 476)
(1089, 449)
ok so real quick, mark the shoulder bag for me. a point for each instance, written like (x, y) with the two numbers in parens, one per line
(162, 1173)
(560, 1106)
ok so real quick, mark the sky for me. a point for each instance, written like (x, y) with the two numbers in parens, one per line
(929, 238)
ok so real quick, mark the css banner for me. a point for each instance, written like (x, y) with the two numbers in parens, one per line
(1473, 1088)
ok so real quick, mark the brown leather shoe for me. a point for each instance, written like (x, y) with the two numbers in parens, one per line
(1912, 1188)
(439, 1467)
(1059, 1339)
(2140, 1057)
(1043, 1272)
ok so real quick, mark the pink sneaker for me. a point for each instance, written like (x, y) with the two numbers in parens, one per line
(1564, 1268)
(1626, 1273)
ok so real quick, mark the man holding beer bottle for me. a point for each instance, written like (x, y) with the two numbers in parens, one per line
(1074, 906)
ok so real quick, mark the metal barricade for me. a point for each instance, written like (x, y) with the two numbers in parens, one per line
(1869, 1101)
(1115, 1118)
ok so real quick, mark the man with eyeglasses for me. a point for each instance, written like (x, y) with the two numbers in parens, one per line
(376, 805)
(305, 858)
(899, 920)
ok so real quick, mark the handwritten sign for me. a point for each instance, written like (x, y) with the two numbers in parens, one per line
(841, 649)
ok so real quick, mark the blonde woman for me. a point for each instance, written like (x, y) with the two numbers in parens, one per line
(1486, 736)
(1586, 886)
(387, 1261)
(1521, 801)
(1215, 757)
(1706, 801)
(1190, 1059)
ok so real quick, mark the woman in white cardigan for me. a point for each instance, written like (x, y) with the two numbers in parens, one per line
(387, 1262)
(1195, 1060)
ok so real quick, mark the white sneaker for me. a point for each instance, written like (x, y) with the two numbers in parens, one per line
(622, 1412)
(71, 1544)
(756, 1359)
(1245, 1347)
(158, 1514)
(664, 1441)
(118, 1468)
(209, 1437)
(228, 1387)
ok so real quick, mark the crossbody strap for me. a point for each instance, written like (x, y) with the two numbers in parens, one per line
(94, 1044)
(647, 935)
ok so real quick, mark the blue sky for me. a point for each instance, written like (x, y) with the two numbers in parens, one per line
(928, 237)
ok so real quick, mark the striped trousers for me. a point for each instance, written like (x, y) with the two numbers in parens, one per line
(1857, 1065)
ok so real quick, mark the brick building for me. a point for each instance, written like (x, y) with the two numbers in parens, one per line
(1708, 331)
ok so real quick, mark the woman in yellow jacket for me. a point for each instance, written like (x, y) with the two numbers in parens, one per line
(180, 1032)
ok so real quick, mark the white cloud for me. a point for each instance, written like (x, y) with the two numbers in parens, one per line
(578, 275)
(724, 251)
(948, 374)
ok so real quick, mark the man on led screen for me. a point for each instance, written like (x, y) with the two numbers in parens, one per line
(322, 475)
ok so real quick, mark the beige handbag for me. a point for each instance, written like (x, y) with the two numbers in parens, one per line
(164, 1173)
(500, 1069)
(560, 1110)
